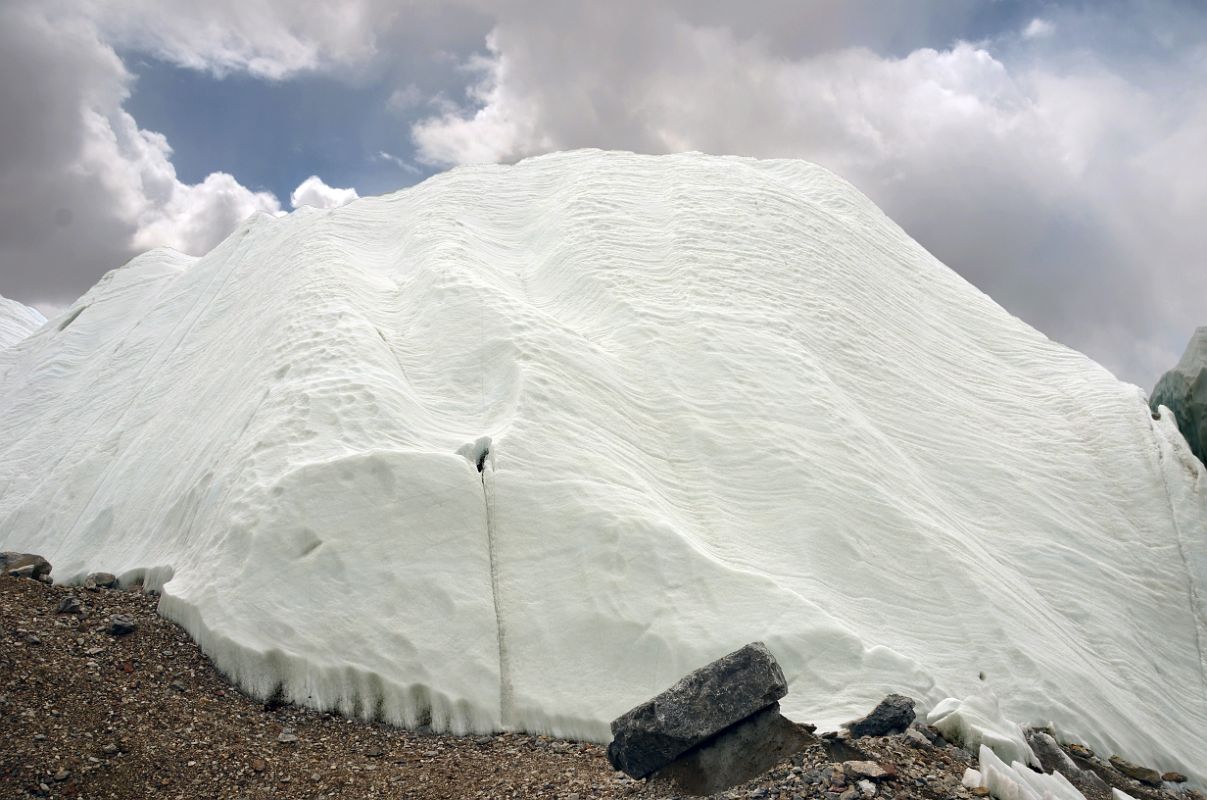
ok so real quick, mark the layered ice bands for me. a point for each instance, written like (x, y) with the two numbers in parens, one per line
(520, 446)
(17, 321)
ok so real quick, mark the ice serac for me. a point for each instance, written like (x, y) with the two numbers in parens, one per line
(714, 400)
(1183, 390)
(17, 321)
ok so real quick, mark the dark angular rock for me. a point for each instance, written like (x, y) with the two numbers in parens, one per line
(24, 565)
(737, 754)
(1183, 390)
(1050, 754)
(893, 715)
(69, 605)
(1135, 771)
(121, 625)
(701, 704)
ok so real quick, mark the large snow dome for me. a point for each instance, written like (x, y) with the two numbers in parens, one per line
(521, 445)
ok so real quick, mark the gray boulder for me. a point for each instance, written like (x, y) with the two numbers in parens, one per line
(737, 754)
(894, 714)
(24, 565)
(700, 705)
(1183, 390)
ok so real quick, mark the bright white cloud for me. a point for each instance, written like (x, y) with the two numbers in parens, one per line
(504, 126)
(268, 38)
(314, 192)
(1038, 29)
(135, 167)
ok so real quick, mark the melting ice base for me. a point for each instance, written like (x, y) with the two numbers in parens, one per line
(713, 400)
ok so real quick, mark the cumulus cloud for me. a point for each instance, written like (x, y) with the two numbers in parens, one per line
(1047, 184)
(267, 38)
(96, 188)
(1055, 160)
(314, 192)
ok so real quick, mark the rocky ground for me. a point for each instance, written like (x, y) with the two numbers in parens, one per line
(87, 712)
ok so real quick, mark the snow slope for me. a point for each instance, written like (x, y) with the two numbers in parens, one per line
(17, 321)
(715, 400)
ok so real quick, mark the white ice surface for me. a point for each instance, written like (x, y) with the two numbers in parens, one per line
(17, 321)
(1015, 781)
(724, 399)
(978, 720)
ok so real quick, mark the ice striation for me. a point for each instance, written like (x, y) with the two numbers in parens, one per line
(521, 445)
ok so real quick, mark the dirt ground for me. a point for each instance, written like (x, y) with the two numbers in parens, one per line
(85, 713)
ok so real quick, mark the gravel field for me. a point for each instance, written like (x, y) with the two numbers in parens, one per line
(86, 713)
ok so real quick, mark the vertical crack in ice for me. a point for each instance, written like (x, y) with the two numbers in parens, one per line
(486, 472)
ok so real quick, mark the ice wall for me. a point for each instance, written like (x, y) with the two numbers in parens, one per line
(713, 400)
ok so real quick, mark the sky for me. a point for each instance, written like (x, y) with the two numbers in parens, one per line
(1052, 153)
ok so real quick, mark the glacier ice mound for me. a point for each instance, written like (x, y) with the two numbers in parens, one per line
(521, 445)
(17, 321)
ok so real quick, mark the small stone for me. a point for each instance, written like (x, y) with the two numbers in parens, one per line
(1080, 750)
(287, 736)
(121, 625)
(1173, 777)
(915, 737)
(980, 791)
(866, 788)
(62, 775)
(848, 794)
(258, 764)
(33, 639)
(68, 605)
(109, 749)
(39, 737)
(869, 770)
(375, 752)
(1135, 771)
(100, 580)
(94, 651)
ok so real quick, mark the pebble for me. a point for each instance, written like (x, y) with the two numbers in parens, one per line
(287, 736)
(62, 775)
